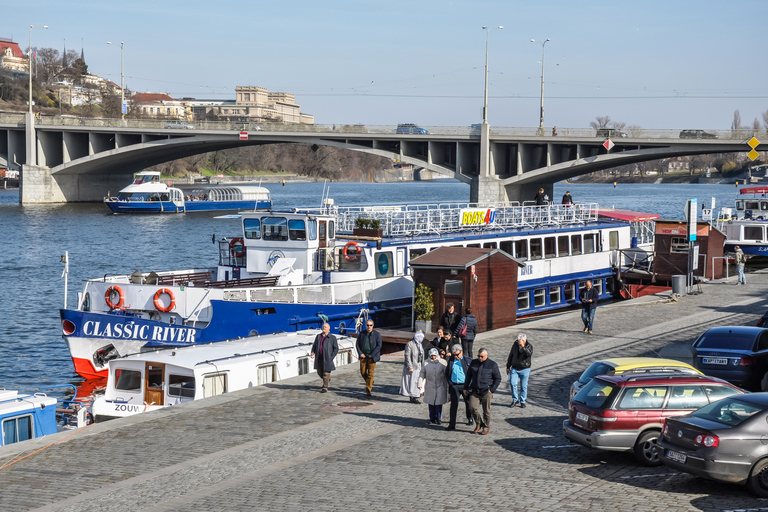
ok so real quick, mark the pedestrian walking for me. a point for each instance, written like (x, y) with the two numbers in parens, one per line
(327, 348)
(519, 369)
(589, 298)
(540, 198)
(435, 385)
(369, 350)
(482, 380)
(741, 260)
(567, 198)
(456, 370)
(450, 318)
(413, 359)
(467, 335)
(554, 131)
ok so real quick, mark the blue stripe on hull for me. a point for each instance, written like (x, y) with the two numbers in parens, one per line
(191, 206)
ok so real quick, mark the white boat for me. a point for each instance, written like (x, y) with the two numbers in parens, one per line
(153, 380)
(294, 269)
(747, 226)
(24, 417)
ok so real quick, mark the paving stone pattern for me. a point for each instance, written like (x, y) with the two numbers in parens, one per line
(289, 447)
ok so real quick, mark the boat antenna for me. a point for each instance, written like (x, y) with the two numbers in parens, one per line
(322, 196)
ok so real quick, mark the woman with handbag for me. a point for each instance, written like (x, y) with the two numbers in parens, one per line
(466, 330)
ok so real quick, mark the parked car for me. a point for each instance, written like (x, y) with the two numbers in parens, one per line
(411, 128)
(696, 134)
(723, 441)
(737, 354)
(250, 127)
(635, 365)
(610, 133)
(763, 322)
(180, 125)
(625, 413)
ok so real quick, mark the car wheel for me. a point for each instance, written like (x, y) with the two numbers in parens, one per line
(646, 449)
(758, 479)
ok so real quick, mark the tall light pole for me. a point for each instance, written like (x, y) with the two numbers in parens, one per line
(29, 56)
(485, 100)
(122, 79)
(540, 131)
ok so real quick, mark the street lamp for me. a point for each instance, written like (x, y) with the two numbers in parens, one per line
(485, 101)
(29, 56)
(122, 79)
(541, 111)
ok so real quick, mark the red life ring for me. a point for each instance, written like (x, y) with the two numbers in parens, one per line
(351, 251)
(170, 183)
(237, 248)
(159, 305)
(108, 297)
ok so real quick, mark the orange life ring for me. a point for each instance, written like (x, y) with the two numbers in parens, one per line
(159, 305)
(237, 248)
(108, 297)
(352, 248)
(170, 183)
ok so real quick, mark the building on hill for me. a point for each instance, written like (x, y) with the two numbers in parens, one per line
(12, 59)
(158, 105)
(255, 104)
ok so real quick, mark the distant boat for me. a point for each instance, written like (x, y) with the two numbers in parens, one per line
(149, 194)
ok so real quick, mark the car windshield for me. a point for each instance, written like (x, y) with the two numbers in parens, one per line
(727, 411)
(726, 340)
(595, 369)
(597, 394)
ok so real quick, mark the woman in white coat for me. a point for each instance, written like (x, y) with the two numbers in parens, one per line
(436, 386)
(414, 358)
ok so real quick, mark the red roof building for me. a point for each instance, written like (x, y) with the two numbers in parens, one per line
(11, 56)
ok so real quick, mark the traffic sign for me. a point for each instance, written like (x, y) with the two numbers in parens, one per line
(753, 143)
(608, 144)
(243, 135)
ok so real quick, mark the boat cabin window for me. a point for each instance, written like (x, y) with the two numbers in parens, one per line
(342, 358)
(536, 249)
(415, 253)
(589, 244)
(384, 266)
(575, 244)
(751, 205)
(252, 228)
(331, 229)
(597, 284)
(17, 429)
(265, 374)
(181, 385)
(489, 245)
(549, 247)
(679, 244)
(539, 297)
(764, 205)
(275, 228)
(297, 229)
(613, 240)
(214, 384)
(753, 233)
(352, 258)
(562, 245)
(739, 204)
(523, 300)
(303, 365)
(570, 292)
(312, 229)
(473, 245)
(508, 247)
(454, 287)
(554, 294)
(127, 380)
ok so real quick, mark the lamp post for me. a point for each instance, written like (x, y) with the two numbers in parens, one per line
(29, 56)
(122, 79)
(540, 131)
(485, 100)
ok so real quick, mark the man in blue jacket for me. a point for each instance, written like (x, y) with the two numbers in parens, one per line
(456, 374)
(483, 377)
(369, 350)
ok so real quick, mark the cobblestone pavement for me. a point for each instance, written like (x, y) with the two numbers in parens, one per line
(288, 447)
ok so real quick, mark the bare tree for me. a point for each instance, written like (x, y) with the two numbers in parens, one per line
(765, 120)
(635, 131)
(48, 65)
(600, 122)
(736, 124)
(756, 126)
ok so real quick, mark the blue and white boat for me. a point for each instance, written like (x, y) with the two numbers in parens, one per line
(747, 226)
(291, 270)
(24, 417)
(149, 194)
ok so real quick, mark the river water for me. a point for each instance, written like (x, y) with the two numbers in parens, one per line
(32, 351)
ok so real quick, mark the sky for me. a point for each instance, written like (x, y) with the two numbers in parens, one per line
(653, 64)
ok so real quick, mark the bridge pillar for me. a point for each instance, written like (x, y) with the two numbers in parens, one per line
(486, 190)
(37, 186)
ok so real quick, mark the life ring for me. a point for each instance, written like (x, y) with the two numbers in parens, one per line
(159, 305)
(351, 251)
(108, 297)
(170, 183)
(237, 248)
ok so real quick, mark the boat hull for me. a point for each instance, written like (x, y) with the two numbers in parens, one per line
(184, 206)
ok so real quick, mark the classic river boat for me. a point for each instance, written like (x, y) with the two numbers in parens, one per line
(295, 269)
(149, 194)
(160, 378)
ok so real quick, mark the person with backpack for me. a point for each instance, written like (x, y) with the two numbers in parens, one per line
(466, 330)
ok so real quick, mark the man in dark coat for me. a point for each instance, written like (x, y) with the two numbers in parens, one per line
(327, 348)
(589, 300)
(519, 368)
(540, 198)
(369, 350)
(450, 318)
(456, 374)
(567, 198)
(482, 379)
(447, 340)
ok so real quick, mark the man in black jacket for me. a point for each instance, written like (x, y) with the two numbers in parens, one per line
(456, 375)
(369, 350)
(589, 300)
(519, 368)
(326, 348)
(482, 379)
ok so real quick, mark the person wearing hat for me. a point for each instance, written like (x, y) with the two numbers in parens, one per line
(414, 358)
(435, 385)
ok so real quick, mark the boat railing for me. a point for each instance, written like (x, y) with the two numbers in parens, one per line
(337, 293)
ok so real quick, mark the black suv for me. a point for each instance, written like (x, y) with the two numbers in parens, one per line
(610, 133)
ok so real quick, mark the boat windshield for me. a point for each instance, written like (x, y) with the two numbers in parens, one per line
(146, 178)
(153, 196)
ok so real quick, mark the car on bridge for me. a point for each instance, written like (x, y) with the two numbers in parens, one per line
(249, 126)
(411, 128)
(179, 125)
(696, 134)
(610, 133)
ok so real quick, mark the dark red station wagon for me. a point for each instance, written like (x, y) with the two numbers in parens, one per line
(626, 412)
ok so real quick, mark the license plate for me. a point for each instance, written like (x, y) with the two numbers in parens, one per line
(715, 360)
(677, 457)
(581, 417)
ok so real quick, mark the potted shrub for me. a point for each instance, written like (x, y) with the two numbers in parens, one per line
(367, 227)
(423, 308)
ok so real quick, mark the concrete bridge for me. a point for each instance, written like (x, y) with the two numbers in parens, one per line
(80, 159)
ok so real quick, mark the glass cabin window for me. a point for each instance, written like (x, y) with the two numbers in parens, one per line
(613, 240)
(415, 253)
(303, 366)
(562, 245)
(275, 228)
(215, 384)
(549, 247)
(384, 267)
(679, 244)
(331, 229)
(570, 292)
(753, 233)
(181, 385)
(554, 294)
(312, 229)
(128, 380)
(297, 229)
(536, 249)
(521, 249)
(540, 297)
(589, 244)
(507, 247)
(265, 374)
(523, 300)
(575, 244)
(17, 429)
